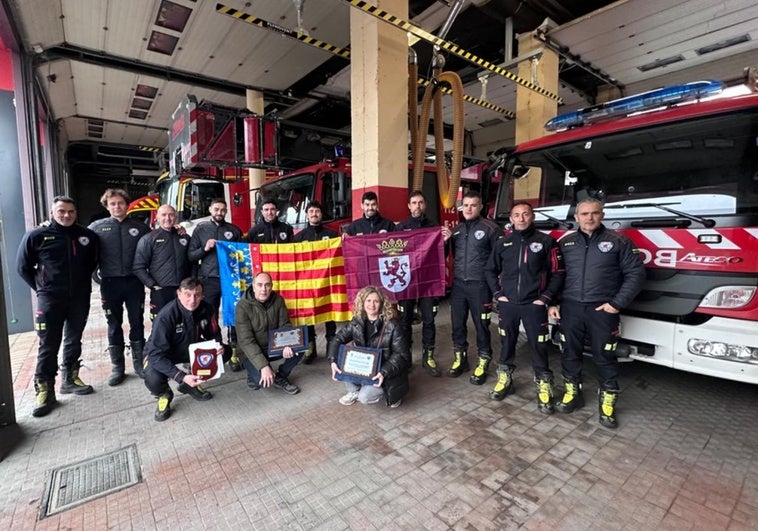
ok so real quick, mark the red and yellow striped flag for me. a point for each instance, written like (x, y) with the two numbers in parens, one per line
(309, 275)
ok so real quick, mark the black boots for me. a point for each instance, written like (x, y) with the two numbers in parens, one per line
(117, 365)
(573, 398)
(234, 363)
(607, 407)
(428, 361)
(504, 385)
(138, 357)
(44, 397)
(460, 364)
(72, 383)
(545, 394)
(310, 354)
(163, 410)
(480, 372)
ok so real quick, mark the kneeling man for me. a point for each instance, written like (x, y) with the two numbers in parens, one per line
(187, 319)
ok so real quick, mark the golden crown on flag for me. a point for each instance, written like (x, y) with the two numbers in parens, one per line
(392, 246)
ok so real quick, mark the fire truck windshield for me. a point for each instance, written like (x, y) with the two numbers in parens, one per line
(678, 174)
(292, 196)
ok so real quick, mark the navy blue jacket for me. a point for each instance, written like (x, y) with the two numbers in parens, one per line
(525, 266)
(604, 267)
(58, 260)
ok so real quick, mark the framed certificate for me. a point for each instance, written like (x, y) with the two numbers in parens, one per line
(359, 364)
(295, 337)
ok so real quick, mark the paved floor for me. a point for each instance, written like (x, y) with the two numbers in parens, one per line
(684, 457)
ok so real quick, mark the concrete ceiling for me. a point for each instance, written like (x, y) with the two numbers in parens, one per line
(94, 56)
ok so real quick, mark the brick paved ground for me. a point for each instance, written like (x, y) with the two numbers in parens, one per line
(684, 457)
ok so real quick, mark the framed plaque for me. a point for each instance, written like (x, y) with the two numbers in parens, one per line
(295, 337)
(359, 364)
(204, 360)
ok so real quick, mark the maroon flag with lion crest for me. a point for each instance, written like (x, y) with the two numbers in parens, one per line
(406, 264)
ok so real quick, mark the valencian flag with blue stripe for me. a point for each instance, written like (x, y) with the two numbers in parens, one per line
(309, 275)
(407, 264)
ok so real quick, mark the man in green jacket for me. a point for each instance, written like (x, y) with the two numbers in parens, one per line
(258, 311)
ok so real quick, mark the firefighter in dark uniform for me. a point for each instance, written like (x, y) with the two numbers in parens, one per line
(270, 230)
(202, 251)
(118, 237)
(427, 305)
(57, 261)
(472, 242)
(315, 231)
(604, 273)
(185, 320)
(371, 222)
(525, 272)
(161, 260)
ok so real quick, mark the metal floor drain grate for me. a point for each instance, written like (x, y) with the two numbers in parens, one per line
(72, 485)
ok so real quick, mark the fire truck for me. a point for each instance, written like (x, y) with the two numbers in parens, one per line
(210, 149)
(329, 183)
(677, 171)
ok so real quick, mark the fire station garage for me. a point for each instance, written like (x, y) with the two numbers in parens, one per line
(563, 332)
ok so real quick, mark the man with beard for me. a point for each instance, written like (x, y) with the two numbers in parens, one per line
(315, 231)
(202, 251)
(270, 230)
(371, 222)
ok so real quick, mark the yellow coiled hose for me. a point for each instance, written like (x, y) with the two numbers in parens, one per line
(448, 189)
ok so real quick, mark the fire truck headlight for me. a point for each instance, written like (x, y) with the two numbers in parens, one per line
(718, 349)
(728, 297)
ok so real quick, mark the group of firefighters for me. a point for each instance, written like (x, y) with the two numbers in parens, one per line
(581, 282)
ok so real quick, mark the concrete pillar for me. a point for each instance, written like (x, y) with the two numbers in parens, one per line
(532, 109)
(606, 93)
(379, 102)
(254, 103)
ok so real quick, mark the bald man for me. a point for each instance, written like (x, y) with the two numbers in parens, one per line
(161, 261)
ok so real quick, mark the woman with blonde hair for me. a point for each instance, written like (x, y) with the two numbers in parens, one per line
(374, 325)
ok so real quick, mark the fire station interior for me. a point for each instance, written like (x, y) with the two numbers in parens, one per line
(90, 98)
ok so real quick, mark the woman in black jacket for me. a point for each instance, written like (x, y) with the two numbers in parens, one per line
(373, 325)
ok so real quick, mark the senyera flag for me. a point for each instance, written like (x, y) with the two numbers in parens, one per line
(309, 275)
(406, 264)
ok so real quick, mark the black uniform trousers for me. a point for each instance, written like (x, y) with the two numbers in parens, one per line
(330, 330)
(115, 293)
(534, 317)
(59, 319)
(212, 295)
(579, 320)
(155, 381)
(428, 308)
(159, 298)
(473, 296)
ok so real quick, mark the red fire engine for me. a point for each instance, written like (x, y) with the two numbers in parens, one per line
(677, 170)
(210, 148)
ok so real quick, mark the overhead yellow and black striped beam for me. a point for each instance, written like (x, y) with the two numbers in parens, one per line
(448, 46)
(476, 101)
(341, 52)
(265, 24)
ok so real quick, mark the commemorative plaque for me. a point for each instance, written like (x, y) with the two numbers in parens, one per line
(359, 364)
(204, 360)
(295, 337)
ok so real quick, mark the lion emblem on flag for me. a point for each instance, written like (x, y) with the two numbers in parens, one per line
(395, 272)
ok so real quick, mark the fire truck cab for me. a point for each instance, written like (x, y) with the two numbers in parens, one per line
(677, 171)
